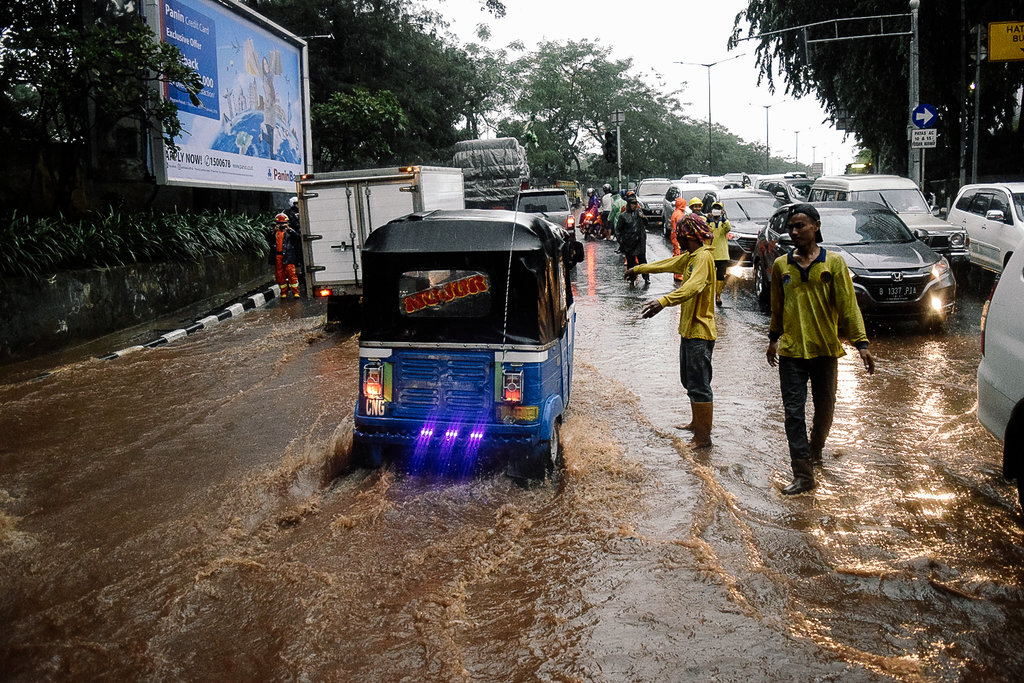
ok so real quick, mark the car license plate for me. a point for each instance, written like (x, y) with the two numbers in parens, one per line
(896, 292)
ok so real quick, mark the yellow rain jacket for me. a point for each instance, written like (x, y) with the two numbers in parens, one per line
(696, 296)
(811, 308)
(721, 229)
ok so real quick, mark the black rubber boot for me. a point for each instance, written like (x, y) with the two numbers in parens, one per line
(803, 478)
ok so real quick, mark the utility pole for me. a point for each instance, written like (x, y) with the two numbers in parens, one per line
(977, 102)
(913, 156)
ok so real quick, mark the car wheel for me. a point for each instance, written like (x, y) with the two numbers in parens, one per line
(761, 288)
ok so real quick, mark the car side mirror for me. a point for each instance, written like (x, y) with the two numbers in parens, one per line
(781, 195)
(577, 252)
(920, 234)
(994, 215)
(940, 211)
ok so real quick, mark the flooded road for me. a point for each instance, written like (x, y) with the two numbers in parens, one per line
(179, 514)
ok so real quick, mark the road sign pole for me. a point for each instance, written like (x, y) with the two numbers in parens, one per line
(618, 153)
(913, 165)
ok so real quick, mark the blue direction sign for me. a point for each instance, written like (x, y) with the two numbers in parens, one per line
(924, 116)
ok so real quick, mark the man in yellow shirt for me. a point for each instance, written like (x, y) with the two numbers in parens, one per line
(812, 300)
(696, 301)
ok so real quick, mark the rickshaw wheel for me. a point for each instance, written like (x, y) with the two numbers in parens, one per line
(554, 460)
(366, 456)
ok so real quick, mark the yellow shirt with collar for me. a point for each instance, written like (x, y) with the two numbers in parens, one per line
(812, 307)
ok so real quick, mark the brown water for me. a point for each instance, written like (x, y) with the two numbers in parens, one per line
(176, 514)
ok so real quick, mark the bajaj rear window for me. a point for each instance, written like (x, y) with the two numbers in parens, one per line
(444, 293)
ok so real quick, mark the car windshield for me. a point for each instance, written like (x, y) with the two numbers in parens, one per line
(751, 208)
(863, 228)
(543, 203)
(800, 188)
(900, 201)
(649, 187)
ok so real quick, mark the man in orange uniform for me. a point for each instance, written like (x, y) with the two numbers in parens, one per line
(284, 255)
(677, 215)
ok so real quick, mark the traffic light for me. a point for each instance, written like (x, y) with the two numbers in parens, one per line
(801, 47)
(611, 146)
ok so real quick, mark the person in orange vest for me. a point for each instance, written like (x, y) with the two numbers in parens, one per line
(677, 215)
(284, 255)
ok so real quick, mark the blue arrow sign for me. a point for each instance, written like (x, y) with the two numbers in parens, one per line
(924, 116)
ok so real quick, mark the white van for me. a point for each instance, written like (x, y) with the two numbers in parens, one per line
(1001, 371)
(903, 197)
(993, 216)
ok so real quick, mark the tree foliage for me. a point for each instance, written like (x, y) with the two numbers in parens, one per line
(867, 77)
(70, 72)
(356, 128)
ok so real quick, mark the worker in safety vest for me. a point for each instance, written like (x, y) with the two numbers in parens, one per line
(285, 254)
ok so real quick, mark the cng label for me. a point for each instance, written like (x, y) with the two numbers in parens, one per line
(375, 407)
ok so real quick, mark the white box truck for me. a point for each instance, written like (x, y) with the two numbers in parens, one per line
(337, 211)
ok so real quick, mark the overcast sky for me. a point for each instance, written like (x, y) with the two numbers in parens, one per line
(658, 33)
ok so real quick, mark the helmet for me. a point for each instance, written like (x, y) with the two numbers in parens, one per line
(696, 201)
(606, 188)
(281, 218)
(293, 201)
(590, 191)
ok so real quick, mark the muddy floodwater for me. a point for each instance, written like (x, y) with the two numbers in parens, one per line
(184, 513)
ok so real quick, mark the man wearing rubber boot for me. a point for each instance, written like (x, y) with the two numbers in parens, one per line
(812, 299)
(696, 301)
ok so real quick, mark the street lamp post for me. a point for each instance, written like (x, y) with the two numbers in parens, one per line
(767, 146)
(708, 67)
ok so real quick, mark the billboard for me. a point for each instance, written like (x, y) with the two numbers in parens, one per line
(249, 126)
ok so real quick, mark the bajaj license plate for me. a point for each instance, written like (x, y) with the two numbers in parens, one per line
(897, 292)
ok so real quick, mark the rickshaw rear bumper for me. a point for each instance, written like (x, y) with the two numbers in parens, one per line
(447, 446)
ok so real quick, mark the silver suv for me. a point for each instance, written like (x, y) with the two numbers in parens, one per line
(993, 216)
(649, 192)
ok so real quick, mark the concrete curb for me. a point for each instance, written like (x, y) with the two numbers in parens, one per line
(251, 302)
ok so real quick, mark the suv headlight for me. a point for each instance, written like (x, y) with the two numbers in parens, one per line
(957, 239)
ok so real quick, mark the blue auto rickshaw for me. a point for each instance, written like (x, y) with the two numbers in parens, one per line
(465, 355)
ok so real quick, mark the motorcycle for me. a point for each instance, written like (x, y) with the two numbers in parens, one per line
(591, 224)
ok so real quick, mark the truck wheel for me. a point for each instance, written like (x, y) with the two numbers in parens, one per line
(344, 310)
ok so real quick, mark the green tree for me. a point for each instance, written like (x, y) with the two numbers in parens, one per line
(395, 47)
(356, 128)
(867, 77)
(69, 74)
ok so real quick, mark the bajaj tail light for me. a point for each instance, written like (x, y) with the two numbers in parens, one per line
(373, 380)
(512, 386)
(570, 223)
